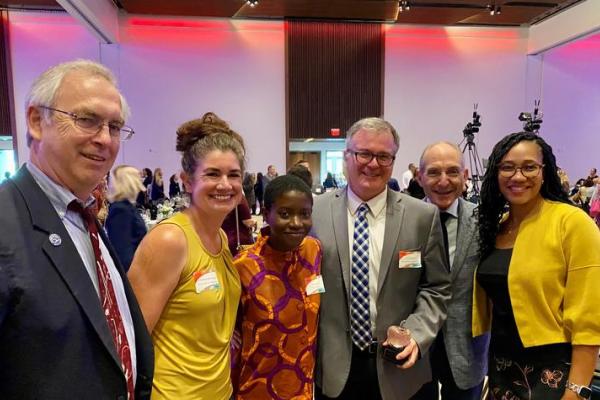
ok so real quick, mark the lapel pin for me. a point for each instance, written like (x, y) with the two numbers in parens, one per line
(55, 239)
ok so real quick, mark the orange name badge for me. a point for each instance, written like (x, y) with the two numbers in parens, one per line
(206, 280)
(409, 259)
(314, 285)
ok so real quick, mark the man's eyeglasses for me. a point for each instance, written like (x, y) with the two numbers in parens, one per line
(365, 157)
(528, 170)
(93, 124)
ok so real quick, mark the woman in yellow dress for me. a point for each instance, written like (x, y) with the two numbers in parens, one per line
(183, 274)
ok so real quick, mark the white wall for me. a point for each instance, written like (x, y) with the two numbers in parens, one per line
(433, 75)
(170, 71)
(175, 69)
(38, 41)
(571, 104)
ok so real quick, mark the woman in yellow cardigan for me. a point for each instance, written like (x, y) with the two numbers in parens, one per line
(537, 283)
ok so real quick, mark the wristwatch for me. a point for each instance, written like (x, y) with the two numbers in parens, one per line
(583, 392)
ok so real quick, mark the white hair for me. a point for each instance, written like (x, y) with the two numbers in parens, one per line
(44, 89)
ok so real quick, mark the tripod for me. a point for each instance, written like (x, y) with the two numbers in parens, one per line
(475, 165)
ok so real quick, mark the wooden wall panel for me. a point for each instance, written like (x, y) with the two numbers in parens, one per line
(334, 76)
(5, 84)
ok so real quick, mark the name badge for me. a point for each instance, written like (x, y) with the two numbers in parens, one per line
(206, 281)
(409, 259)
(314, 285)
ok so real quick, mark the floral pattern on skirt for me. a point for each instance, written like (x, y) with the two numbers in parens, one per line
(526, 379)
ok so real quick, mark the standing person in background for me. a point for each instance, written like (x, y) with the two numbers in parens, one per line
(383, 266)
(157, 190)
(458, 361)
(407, 176)
(174, 188)
(259, 191)
(142, 201)
(124, 225)
(537, 283)
(281, 286)
(70, 326)
(271, 174)
(301, 172)
(183, 272)
(248, 187)
(238, 226)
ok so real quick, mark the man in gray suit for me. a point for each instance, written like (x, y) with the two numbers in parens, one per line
(459, 362)
(383, 265)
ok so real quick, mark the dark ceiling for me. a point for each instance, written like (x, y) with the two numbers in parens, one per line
(451, 12)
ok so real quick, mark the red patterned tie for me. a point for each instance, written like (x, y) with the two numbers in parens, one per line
(108, 298)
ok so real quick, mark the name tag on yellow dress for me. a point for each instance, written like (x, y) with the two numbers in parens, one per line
(409, 259)
(314, 285)
(206, 281)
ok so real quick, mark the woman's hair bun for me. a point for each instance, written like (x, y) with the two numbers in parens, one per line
(192, 131)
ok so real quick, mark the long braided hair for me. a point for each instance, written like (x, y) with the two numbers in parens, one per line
(493, 203)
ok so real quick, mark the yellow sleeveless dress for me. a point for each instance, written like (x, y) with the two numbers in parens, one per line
(191, 338)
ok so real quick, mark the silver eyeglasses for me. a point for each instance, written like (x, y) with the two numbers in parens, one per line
(93, 124)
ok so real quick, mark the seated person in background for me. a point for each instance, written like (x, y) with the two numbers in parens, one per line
(589, 181)
(393, 184)
(174, 188)
(238, 226)
(281, 281)
(124, 225)
(329, 182)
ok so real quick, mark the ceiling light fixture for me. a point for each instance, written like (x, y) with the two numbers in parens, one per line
(403, 5)
(252, 3)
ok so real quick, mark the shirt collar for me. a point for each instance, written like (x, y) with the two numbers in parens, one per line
(59, 196)
(452, 210)
(376, 204)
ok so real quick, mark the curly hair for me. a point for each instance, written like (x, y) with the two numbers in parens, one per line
(493, 203)
(198, 137)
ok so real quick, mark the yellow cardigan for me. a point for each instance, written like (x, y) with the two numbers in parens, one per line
(553, 279)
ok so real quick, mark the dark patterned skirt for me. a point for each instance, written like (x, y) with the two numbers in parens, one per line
(538, 373)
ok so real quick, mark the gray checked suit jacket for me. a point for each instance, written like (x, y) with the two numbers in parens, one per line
(467, 356)
(417, 295)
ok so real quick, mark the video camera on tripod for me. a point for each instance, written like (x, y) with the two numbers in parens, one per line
(472, 127)
(475, 166)
(532, 122)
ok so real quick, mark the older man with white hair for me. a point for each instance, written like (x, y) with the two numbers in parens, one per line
(70, 326)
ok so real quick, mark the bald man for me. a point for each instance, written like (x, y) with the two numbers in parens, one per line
(442, 175)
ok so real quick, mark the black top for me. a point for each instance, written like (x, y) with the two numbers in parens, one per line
(492, 275)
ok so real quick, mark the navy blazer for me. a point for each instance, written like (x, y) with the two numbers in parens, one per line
(55, 342)
(126, 229)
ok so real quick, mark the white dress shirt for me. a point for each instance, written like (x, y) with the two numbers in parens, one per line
(376, 220)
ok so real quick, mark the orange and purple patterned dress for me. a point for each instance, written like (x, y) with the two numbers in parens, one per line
(279, 314)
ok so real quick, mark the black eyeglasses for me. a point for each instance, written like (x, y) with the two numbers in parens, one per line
(528, 170)
(93, 124)
(365, 157)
